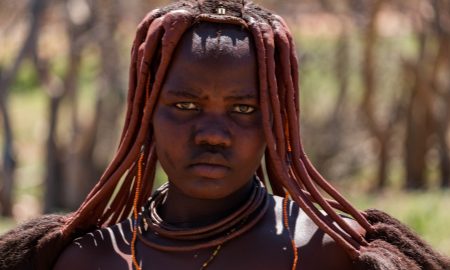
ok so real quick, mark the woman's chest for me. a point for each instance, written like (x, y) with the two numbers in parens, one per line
(254, 250)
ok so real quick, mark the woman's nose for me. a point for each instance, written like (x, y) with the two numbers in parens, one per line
(213, 132)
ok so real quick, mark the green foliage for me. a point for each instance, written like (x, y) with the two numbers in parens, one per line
(27, 79)
(89, 70)
(6, 224)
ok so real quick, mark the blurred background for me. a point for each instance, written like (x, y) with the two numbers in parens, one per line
(375, 101)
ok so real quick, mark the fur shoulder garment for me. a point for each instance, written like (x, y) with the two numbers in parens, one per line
(35, 244)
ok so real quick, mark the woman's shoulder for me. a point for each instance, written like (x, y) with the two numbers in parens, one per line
(301, 225)
(106, 248)
(315, 248)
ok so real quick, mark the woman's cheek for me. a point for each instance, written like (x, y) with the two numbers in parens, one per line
(252, 121)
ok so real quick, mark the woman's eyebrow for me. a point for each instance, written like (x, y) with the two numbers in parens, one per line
(184, 93)
(242, 97)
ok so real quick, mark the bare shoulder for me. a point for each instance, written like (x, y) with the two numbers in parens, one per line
(316, 249)
(107, 248)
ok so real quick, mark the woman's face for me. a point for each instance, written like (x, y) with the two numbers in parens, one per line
(207, 122)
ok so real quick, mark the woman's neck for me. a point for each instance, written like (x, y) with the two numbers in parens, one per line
(185, 211)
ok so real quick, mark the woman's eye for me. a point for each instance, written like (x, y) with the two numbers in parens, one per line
(246, 109)
(186, 106)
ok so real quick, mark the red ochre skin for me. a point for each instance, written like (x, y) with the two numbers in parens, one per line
(209, 141)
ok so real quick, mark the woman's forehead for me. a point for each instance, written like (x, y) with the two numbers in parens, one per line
(214, 58)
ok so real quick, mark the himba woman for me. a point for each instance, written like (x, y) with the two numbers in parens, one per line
(213, 97)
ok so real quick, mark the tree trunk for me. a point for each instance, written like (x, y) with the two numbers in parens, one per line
(53, 197)
(86, 162)
(61, 191)
(9, 163)
(418, 122)
(36, 8)
(444, 162)
(442, 89)
(380, 131)
(383, 163)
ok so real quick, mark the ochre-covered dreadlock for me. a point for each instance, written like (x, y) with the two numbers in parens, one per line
(386, 245)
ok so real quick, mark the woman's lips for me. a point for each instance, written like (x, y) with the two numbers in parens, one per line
(213, 171)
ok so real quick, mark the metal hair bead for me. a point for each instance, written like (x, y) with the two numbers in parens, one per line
(221, 11)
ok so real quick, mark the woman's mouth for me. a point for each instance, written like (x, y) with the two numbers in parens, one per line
(212, 171)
